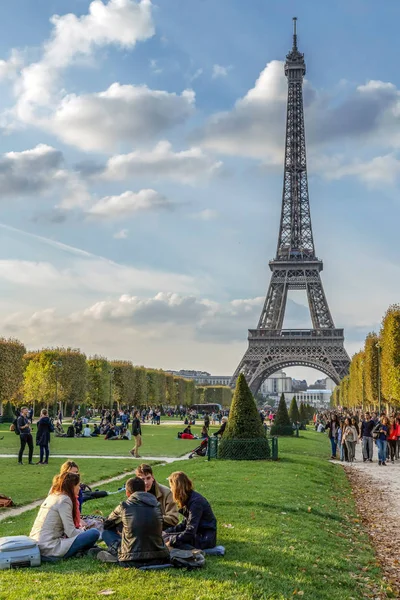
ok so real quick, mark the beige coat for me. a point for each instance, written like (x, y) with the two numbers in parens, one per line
(54, 521)
(168, 507)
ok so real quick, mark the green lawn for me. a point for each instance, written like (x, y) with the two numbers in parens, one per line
(27, 483)
(293, 531)
(157, 441)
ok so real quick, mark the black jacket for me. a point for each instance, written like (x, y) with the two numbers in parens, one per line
(43, 431)
(199, 526)
(136, 428)
(221, 429)
(142, 523)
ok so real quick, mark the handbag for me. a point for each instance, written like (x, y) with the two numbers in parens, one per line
(376, 431)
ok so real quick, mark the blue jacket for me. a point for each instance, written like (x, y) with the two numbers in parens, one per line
(199, 525)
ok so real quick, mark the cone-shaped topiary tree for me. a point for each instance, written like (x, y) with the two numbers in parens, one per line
(303, 413)
(244, 436)
(282, 424)
(294, 414)
(8, 413)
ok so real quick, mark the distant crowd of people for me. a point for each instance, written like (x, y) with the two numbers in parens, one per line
(348, 428)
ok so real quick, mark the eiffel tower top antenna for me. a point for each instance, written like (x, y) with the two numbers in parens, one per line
(294, 33)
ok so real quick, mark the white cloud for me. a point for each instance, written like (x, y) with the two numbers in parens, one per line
(9, 68)
(367, 116)
(208, 214)
(121, 235)
(256, 124)
(374, 172)
(186, 166)
(220, 71)
(129, 203)
(128, 113)
(30, 171)
(119, 22)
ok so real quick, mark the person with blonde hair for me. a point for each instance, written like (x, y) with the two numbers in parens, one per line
(199, 526)
(56, 527)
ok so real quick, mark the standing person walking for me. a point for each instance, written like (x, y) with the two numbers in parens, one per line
(382, 430)
(332, 426)
(25, 435)
(350, 438)
(137, 433)
(394, 432)
(367, 426)
(44, 427)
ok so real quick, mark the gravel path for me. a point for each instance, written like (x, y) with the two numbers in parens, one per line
(376, 491)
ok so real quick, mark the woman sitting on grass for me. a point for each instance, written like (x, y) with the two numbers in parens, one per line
(56, 528)
(199, 526)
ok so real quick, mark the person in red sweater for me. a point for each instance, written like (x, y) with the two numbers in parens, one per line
(394, 434)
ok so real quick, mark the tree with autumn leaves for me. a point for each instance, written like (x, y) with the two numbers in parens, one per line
(376, 369)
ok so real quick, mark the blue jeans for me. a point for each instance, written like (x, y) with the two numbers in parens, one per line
(341, 450)
(83, 541)
(44, 451)
(382, 448)
(333, 446)
(110, 536)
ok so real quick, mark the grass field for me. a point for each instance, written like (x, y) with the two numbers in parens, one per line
(157, 441)
(292, 532)
(28, 483)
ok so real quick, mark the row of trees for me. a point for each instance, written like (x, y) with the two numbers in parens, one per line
(66, 376)
(374, 375)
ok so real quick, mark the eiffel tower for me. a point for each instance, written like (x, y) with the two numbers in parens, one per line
(295, 267)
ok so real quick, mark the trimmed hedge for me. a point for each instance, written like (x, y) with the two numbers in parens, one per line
(242, 449)
(281, 430)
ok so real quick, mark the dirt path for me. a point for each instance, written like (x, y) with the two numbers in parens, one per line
(163, 459)
(376, 491)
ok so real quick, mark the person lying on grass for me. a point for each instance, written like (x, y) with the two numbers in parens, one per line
(199, 526)
(56, 527)
(162, 493)
(133, 531)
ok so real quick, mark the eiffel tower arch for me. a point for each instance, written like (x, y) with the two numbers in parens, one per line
(295, 266)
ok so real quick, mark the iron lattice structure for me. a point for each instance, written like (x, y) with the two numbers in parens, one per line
(295, 266)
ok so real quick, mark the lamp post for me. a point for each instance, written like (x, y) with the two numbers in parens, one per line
(57, 364)
(378, 346)
(362, 384)
(111, 372)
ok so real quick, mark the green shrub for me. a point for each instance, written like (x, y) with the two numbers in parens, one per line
(8, 413)
(244, 436)
(282, 424)
(239, 449)
(294, 414)
(303, 413)
(281, 430)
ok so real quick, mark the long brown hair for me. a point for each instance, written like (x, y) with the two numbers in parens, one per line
(65, 484)
(181, 486)
(65, 468)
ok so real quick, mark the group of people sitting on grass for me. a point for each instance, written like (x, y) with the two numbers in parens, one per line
(346, 430)
(140, 531)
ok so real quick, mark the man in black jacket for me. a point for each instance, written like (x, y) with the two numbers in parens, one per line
(25, 435)
(133, 531)
(367, 426)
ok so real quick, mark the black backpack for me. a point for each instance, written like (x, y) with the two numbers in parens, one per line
(16, 428)
(187, 559)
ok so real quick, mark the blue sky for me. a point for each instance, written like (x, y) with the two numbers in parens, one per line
(141, 171)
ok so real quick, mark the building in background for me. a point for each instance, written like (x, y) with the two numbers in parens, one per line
(276, 384)
(319, 399)
(203, 378)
